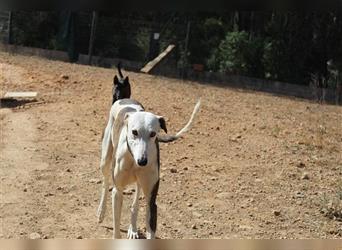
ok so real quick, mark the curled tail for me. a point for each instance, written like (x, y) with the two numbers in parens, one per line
(119, 69)
(171, 138)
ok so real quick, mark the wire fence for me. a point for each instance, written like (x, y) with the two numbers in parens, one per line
(133, 36)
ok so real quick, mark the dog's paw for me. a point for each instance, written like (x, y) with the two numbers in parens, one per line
(132, 234)
(100, 214)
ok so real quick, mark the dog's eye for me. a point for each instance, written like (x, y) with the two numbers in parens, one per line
(153, 134)
(135, 133)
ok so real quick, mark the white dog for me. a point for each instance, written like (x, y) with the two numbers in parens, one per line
(130, 154)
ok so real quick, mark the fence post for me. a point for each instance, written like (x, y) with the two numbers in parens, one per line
(187, 37)
(92, 36)
(10, 17)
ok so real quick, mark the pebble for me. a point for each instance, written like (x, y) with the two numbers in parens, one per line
(79, 237)
(34, 236)
(300, 165)
(173, 170)
(305, 176)
(127, 192)
(97, 181)
(189, 204)
(276, 212)
(194, 226)
(65, 77)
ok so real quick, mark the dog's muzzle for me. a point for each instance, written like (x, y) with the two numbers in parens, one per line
(142, 162)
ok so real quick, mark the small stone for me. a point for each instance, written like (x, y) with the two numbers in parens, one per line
(305, 176)
(97, 181)
(194, 226)
(276, 212)
(68, 170)
(185, 168)
(45, 237)
(79, 237)
(173, 170)
(25, 189)
(65, 77)
(189, 204)
(213, 178)
(300, 165)
(34, 236)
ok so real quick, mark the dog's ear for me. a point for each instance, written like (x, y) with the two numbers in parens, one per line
(126, 81)
(116, 80)
(162, 124)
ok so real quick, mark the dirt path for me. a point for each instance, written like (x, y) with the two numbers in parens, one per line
(253, 166)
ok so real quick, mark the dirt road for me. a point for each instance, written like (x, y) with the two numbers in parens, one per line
(253, 166)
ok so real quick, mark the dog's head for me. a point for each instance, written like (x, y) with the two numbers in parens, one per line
(142, 131)
(121, 88)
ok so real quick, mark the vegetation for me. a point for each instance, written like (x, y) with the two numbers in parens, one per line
(284, 46)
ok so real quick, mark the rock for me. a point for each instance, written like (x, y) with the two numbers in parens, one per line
(127, 192)
(198, 215)
(65, 77)
(276, 212)
(189, 204)
(25, 189)
(173, 170)
(34, 236)
(185, 168)
(79, 237)
(305, 176)
(194, 226)
(300, 165)
(97, 181)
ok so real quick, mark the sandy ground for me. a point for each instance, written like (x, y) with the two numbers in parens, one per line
(253, 166)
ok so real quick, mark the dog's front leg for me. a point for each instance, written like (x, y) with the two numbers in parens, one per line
(132, 232)
(117, 197)
(151, 212)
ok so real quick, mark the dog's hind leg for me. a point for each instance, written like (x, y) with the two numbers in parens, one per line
(105, 165)
(132, 232)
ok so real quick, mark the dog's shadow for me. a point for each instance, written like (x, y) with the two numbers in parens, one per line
(141, 235)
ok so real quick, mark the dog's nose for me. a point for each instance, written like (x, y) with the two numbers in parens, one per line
(142, 161)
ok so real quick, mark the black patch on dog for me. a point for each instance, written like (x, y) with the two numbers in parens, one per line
(158, 155)
(153, 207)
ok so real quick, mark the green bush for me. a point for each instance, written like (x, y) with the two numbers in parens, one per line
(238, 54)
